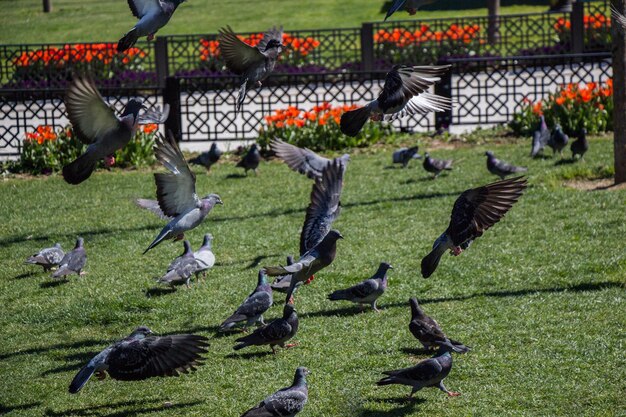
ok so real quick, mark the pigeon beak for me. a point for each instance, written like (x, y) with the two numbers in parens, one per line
(220, 202)
(390, 267)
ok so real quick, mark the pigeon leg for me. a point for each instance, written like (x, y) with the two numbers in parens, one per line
(82, 273)
(178, 237)
(273, 349)
(101, 375)
(256, 172)
(290, 345)
(150, 36)
(456, 251)
(261, 321)
(259, 83)
(444, 389)
(411, 10)
(374, 307)
(308, 281)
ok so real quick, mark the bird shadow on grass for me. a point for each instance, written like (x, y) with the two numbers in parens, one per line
(120, 409)
(340, 312)
(564, 161)
(235, 176)
(408, 406)
(24, 275)
(6, 409)
(250, 355)
(417, 351)
(158, 291)
(74, 361)
(53, 284)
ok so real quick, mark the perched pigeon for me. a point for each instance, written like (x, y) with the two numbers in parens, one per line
(204, 256)
(181, 269)
(558, 140)
(304, 160)
(252, 309)
(580, 146)
(541, 137)
(276, 333)
(95, 124)
(427, 373)
(73, 262)
(176, 193)
(428, 332)
(410, 6)
(286, 402)
(404, 155)
(253, 63)
(251, 159)
(141, 356)
(500, 168)
(436, 166)
(475, 211)
(47, 258)
(404, 94)
(152, 15)
(365, 292)
(207, 159)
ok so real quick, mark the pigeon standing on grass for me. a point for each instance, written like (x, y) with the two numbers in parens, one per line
(436, 166)
(427, 330)
(152, 15)
(475, 211)
(251, 159)
(252, 309)
(204, 256)
(558, 140)
(580, 146)
(209, 158)
(73, 262)
(176, 193)
(141, 356)
(276, 333)
(366, 292)
(500, 168)
(541, 137)
(304, 160)
(410, 6)
(47, 258)
(286, 402)
(404, 94)
(181, 269)
(405, 155)
(253, 63)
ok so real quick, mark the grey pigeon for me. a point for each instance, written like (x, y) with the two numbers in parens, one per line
(404, 94)
(580, 146)
(558, 140)
(427, 330)
(152, 15)
(181, 269)
(176, 193)
(282, 283)
(95, 124)
(618, 18)
(500, 168)
(286, 402)
(427, 373)
(251, 159)
(276, 333)
(410, 6)
(365, 292)
(475, 211)
(252, 309)
(304, 160)
(541, 137)
(47, 258)
(253, 63)
(436, 166)
(141, 356)
(73, 262)
(405, 155)
(204, 256)
(208, 158)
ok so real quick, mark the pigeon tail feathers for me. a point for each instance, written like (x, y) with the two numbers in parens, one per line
(81, 169)
(352, 121)
(431, 261)
(165, 233)
(128, 40)
(81, 378)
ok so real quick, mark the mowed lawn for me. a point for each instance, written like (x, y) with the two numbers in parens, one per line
(539, 298)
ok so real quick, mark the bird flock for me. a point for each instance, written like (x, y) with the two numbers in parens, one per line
(143, 355)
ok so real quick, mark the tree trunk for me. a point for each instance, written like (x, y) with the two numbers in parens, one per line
(619, 97)
(493, 31)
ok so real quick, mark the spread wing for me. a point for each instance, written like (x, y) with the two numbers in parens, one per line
(154, 115)
(422, 104)
(237, 54)
(301, 160)
(176, 191)
(90, 116)
(618, 17)
(153, 206)
(140, 8)
(303, 263)
(273, 33)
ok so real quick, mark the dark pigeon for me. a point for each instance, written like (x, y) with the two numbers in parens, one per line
(436, 166)
(286, 402)
(209, 158)
(580, 146)
(558, 140)
(181, 269)
(405, 155)
(276, 333)
(304, 160)
(541, 137)
(141, 356)
(47, 258)
(427, 330)
(475, 211)
(365, 292)
(73, 262)
(404, 94)
(500, 168)
(410, 6)
(252, 309)
(251, 159)
(152, 15)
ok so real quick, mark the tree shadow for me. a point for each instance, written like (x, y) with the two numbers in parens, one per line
(53, 284)
(60, 346)
(24, 275)
(6, 409)
(119, 409)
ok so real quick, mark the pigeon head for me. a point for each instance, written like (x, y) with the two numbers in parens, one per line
(211, 200)
(288, 310)
(141, 332)
(583, 131)
(133, 107)
(187, 248)
(416, 310)
(262, 279)
(426, 155)
(302, 372)
(273, 43)
(489, 154)
(333, 236)
(344, 158)
(290, 260)
(558, 128)
(79, 243)
(57, 245)
(208, 238)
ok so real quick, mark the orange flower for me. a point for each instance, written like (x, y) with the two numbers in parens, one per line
(149, 128)
(560, 101)
(537, 108)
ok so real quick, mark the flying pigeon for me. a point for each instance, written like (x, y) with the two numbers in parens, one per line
(204, 256)
(176, 193)
(282, 283)
(252, 309)
(286, 402)
(47, 258)
(253, 63)
(618, 17)
(427, 373)
(541, 137)
(436, 166)
(276, 333)
(428, 332)
(250, 160)
(475, 211)
(95, 124)
(405, 155)
(181, 269)
(73, 262)
(404, 94)
(141, 356)
(365, 292)
(304, 160)
(152, 15)
(208, 158)
(500, 168)
(580, 146)
(410, 6)
(558, 140)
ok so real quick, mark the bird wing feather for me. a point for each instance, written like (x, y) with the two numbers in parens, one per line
(238, 55)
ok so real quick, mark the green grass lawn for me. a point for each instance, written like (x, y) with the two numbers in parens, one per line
(23, 21)
(540, 297)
